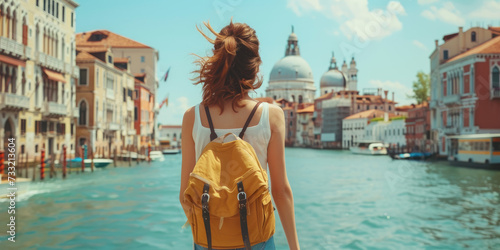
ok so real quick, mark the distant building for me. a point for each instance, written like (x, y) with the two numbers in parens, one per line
(170, 135)
(37, 77)
(144, 111)
(465, 85)
(353, 126)
(305, 126)
(390, 130)
(418, 128)
(142, 61)
(291, 77)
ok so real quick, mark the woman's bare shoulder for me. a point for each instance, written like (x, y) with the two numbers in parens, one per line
(189, 116)
(276, 116)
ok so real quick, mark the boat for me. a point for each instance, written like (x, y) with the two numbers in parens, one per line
(133, 156)
(98, 163)
(411, 156)
(475, 150)
(369, 148)
(171, 151)
(156, 156)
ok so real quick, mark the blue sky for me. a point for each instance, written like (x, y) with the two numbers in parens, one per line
(390, 40)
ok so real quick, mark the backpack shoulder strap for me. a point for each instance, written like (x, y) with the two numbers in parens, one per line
(242, 133)
(213, 135)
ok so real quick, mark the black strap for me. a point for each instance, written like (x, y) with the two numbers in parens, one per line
(213, 135)
(242, 197)
(242, 133)
(205, 197)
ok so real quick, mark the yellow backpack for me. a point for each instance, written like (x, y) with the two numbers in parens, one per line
(228, 193)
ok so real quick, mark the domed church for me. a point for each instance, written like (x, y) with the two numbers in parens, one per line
(335, 80)
(291, 77)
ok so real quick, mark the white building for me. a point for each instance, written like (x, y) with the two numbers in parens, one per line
(291, 77)
(170, 133)
(390, 131)
(353, 126)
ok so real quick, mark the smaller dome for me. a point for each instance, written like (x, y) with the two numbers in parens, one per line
(333, 78)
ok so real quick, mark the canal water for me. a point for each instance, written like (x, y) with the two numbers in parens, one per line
(341, 201)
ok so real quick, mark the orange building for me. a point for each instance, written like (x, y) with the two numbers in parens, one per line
(143, 111)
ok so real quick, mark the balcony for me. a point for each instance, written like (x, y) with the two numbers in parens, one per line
(76, 71)
(113, 126)
(495, 93)
(27, 52)
(451, 130)
(110, 94)
(11, 47)
(130, 105)
(55, 109)
(50, 62)
(13, 101)
(451, 99)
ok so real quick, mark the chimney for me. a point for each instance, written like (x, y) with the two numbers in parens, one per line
(437, 43)
(385, 100)
(461, 40)
(392, 96)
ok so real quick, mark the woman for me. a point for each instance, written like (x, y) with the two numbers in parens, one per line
(227, 78)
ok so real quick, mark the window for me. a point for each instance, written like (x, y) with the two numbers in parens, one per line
(83, 77)
(63, 13)
(445, 54)
(135, 113)
(36, 148)
(124, 94)
(23, 126)
(72, 19)
(37, 3)
(495, 78)
(97, 78)
(48, 6)
(143, 59)
(82, 120)
(110, 59)
(57, 10)
(473, 36)
(72, 128)
(82, 141)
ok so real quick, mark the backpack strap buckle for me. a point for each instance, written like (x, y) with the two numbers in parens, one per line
(242, 196)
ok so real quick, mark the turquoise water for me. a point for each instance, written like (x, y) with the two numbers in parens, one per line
(341, 201)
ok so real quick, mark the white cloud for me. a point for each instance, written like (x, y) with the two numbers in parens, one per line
(447, 13)
(400, 90)
(300, 6)
(173, 113)
(354, 16)
(490, 9)
(424, 2)
(420, 45)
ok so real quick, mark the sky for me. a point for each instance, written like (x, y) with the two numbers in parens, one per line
(390, 40)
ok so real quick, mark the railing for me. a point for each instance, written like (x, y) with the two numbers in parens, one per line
(130, 105)
(451, 99)
(50, 61)
(55, 109)
(27, 52)
(11, 47)
(76, 71)
(113, 126)
(8, 100)
(451, 130)
(495, 93)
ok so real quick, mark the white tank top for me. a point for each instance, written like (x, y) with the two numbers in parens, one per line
(258, 136)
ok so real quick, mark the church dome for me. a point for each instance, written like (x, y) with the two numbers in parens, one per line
(291, 67)
(333, 78)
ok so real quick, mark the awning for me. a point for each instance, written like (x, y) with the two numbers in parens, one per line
(12, 61)
(52, 75)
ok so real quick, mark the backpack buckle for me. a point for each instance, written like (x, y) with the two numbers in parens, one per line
(205, 196)
(242, 194)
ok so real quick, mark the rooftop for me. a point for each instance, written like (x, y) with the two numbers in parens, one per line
(106, 38)
(490, 47)
(372, 113)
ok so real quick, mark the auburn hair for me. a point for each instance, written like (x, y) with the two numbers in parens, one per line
(233, 67)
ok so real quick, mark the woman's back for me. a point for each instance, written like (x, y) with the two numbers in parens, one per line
(257, 134)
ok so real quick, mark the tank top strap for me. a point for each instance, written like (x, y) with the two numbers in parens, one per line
(264, 118)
